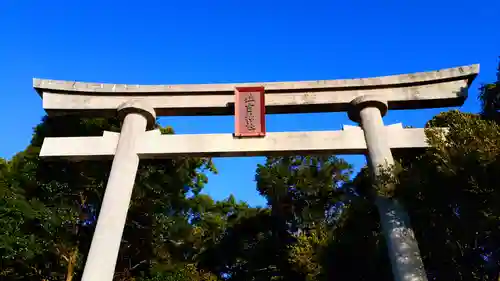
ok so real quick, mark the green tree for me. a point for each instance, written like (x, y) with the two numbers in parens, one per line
(285, 241)
(489, 95)
(21, 250)
(452, 195)
(303, 190)
(357, 248)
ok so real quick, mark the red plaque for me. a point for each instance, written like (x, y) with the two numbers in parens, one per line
(250, 110)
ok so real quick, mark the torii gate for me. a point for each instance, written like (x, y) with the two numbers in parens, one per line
(366, 100)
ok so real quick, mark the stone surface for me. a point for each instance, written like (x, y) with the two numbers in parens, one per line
(427, 89)
(457, 73)
(101, 260)
(359, 103)
(402, 245)
(141, 107)
(377, 140)
(154, 145)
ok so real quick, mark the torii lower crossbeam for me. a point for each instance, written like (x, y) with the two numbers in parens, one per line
(154, 145)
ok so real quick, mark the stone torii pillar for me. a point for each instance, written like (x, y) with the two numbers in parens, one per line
(101, 261)
(403, 250)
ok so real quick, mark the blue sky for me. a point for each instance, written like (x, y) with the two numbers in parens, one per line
(173, 42)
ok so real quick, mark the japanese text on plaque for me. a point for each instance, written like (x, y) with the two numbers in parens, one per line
(249, 113)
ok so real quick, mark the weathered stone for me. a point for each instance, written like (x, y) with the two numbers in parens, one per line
(407, 264)
(101, 260)
(154, 146)
(446, 87)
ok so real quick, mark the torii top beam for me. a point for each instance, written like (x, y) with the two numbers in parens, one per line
(441, 88)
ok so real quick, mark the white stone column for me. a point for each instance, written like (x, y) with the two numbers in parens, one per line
(402, 245)
(101, 260)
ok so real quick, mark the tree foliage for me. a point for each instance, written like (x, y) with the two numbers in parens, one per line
(452, 197)
(489, 95)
